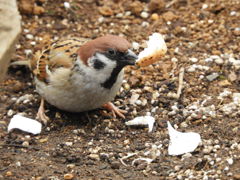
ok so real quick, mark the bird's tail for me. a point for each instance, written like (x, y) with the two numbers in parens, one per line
(21, 63)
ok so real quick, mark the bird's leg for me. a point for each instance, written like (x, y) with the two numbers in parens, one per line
(116, 111)
(41, 113)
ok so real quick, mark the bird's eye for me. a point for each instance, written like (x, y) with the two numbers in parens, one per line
(111, 52)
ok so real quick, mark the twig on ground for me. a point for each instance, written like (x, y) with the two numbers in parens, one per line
(180, 85)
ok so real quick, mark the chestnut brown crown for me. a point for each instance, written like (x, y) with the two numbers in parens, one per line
(102, 44)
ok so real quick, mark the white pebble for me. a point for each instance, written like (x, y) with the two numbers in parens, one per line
(219, 61)
(10, 113)
(138, 102)
(211, 162)
(94, 156)
(238, 147)
(25, 144)
(205, 177)
(67, 5)
(230, 161)
(28, 51)
(191, 69)
(233, 13)
(119, 15)
(210, 21)
(145, 24)
(135, 45)
(101, 19)
(144, 15)
(186, 155)
(26, 30)
(217, 146)
(144, 102)
(29, 36)
(184, 125)
(226, 168)
(174, 59)
(128, 13)
(176, 50)
(204, 6)
(194, 60)
(179, 177)
(18, 163)
(208, 60)
(25, 98)
(234, 145)
(68, 143)
(148, 113)
(33, 43)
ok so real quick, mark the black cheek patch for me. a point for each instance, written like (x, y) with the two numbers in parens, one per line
(98, 64)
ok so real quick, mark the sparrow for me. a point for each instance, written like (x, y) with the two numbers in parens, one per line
(78, 74)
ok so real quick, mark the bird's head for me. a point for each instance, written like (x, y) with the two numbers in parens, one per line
(107, 55)
(109, 48)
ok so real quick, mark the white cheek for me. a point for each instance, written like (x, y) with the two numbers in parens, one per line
(91, 74)
(102, 74)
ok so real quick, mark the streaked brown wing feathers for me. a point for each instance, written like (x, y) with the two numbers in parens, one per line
(58, 54)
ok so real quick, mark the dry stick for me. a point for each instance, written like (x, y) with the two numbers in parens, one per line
(171, 3)
(126, 157)
(180, 84)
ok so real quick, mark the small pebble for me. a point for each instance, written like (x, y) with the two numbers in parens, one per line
(28, 52)
(212, 76)
(135, 45)
(71, 166)
(94, 157)
(8, 173)
(204, 6)
(219, 61)
(25, 144)
(68, 176)
(191, 69)
(144, 15)
(155, 17)
(194, 60)
(183, 125)
(211, 163)
(10, 113)
(230, 161)
(138, 102)
(67, 5)
(145, 24)
(119, 15)
(18, 164)
(68, 143)
(233, 13)
(29, 36)
(174, 59)
(128, 13)
(115, 165)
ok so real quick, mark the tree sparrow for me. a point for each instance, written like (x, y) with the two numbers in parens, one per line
(77, 75)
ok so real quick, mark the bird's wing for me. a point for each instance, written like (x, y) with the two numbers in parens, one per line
(59, 54)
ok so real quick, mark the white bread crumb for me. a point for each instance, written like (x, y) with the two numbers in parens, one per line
(156, 48)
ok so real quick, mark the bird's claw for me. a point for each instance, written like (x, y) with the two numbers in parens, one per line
(116, 111)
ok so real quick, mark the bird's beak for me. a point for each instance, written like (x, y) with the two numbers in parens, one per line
(130, 58)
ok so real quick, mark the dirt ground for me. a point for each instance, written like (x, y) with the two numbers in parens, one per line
(202, 36)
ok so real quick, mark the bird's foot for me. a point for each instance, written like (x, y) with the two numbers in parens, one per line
(116, 111)
(41, 116)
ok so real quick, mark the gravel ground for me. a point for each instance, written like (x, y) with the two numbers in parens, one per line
(203, 38)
